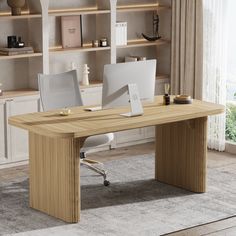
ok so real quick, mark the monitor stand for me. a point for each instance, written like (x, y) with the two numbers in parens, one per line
(135, 103)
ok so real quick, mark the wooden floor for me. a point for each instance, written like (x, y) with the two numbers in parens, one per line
(226, 227)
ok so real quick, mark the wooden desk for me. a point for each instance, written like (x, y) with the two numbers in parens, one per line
(55, 141)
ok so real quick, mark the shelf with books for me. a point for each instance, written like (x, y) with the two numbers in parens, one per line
(143, 43)
(77, 11)
(26, 55)
(85, 48)
(141, 7)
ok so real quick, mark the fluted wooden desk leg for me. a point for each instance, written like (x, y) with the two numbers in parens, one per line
(181, 150)
(54, 176)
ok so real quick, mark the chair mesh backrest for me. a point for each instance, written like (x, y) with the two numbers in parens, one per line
(59, 90)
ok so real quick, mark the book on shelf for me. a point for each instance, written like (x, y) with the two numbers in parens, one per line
(71, 31)
(16, 51)
(121, 33)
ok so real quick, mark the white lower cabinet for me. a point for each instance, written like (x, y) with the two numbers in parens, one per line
(150, 132)
(92, 96)
(14, 141)
(129, 137)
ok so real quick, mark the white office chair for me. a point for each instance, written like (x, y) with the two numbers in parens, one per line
(60, 91)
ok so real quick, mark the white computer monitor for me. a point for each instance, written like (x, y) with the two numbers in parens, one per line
(117, 76)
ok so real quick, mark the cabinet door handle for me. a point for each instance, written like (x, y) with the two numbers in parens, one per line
(10, 100)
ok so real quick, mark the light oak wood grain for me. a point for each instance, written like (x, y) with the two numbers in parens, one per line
(83, 123)
(54, 176)
(55, 144)
(181, 150)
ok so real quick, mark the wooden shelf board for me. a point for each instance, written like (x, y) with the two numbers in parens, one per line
(86, 48)
(8, 16)
(99, 83)
(144, 43)
(141, 7)
(162, 76)
(92, 84)
(19, 93)
(78, 11)
(27, 55)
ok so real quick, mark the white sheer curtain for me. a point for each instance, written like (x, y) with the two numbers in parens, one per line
(215, 66)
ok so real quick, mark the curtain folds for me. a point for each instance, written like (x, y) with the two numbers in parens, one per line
(187, 48)
(199, 60)
(215, 66)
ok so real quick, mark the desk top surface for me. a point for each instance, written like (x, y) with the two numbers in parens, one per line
(85, 123)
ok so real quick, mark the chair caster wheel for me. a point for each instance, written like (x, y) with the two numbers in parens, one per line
(106, 183)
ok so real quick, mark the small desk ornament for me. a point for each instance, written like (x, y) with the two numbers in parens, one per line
(166, 97)
(156, 35)
(85, 78)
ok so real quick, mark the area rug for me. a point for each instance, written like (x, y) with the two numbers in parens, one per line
(134, 203)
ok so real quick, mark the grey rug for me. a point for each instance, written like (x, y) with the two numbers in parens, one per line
(134, 204)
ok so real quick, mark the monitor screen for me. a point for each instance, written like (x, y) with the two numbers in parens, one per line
(117, 76)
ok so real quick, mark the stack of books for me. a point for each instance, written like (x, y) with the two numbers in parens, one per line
(121, 33)
(16, 51)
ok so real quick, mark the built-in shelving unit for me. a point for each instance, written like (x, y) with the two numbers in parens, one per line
(18, 71)
(40, 27)
(139, 18)
(98, 21)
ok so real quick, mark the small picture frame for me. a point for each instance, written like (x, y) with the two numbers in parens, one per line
(71, 31)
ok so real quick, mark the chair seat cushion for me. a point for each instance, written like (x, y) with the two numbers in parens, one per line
(97, 141)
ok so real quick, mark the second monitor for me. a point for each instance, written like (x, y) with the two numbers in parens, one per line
(119, 78)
